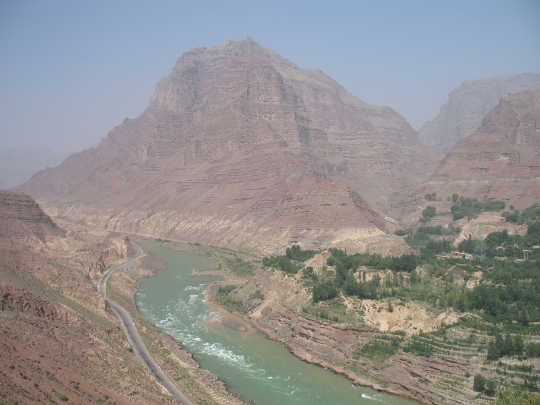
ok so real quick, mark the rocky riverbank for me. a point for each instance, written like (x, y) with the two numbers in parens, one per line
(332, 345)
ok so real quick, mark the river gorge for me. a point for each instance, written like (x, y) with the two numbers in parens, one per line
(255, 368)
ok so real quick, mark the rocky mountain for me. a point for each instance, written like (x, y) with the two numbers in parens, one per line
(501, 159)
(468, 105)
(241, 147)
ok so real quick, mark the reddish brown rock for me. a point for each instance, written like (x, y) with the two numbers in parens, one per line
(20, 300)
(467, 106)
(57, 342)
(240, 147)
(501, 159)
(21, 216)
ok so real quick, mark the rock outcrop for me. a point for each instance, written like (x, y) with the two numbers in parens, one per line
(240, 147)
(21, 216)
(501, 159)
(57, 342)
(468, 105)
(20, 300)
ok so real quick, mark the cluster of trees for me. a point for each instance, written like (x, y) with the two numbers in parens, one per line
(518, 397)
(282, 263)
(471, 207)
(482, 384)
(512, 291)
(380, 348)
(469, 245)
(528, 216)
(507, 346)
(345, 281)
(507, 299)
(324, 291)
(419, 347)
(291, 262)
(295, 252)
(504, 244)
(431, 197)
(339, 258)
(420, 239)
(224, 298)
(509, 292)
(433, 247)
(428, 213)
(532, 349)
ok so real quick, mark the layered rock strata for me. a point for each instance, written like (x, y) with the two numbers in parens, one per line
(469, 104)
(501, 159)
(241, 147)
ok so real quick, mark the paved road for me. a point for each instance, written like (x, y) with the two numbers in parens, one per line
(131, 330)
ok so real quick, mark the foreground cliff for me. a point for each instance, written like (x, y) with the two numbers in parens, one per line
(240, 147)
(59, 343)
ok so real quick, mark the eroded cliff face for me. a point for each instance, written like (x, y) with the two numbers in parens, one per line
(241, 147)
(469, 104)
(501, 159)
(57, 341)
(281, 315)
(21, 216)
(20, 300)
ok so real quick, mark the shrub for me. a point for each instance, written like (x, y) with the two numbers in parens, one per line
(406, 263)
(479, 383)
(419, 347)
(428, 213)
(324, 291)
(296, 253)
(380, 348)
(532, 349)
(471, 207)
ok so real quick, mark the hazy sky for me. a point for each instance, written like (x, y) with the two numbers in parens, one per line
(71, 70)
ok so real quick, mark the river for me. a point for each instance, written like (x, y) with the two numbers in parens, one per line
(254, 367)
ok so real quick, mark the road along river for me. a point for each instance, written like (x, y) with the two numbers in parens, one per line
(254, 367)
(131, 330)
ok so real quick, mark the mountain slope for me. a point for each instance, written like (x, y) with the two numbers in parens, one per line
(239, 142)
(501, 159)
(468, 105)
(59, 340)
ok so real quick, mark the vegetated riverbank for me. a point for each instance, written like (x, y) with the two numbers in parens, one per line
(200, 385)
(336, 335)
(244, 323)
(257, 368)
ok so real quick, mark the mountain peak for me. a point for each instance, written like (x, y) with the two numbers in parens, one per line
(241, 146)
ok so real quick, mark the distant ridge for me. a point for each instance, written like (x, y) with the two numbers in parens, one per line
(501, 159)
(467, 106)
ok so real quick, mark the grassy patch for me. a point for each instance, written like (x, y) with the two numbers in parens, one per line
(223, 297)
(379, 349)
(419, 347)
(239, 266)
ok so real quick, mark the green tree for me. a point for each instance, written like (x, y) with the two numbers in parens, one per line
(517, 397)
(324, 291)
(479, 383)
(428, 213)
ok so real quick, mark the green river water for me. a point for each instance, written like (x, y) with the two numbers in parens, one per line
(254, 367)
